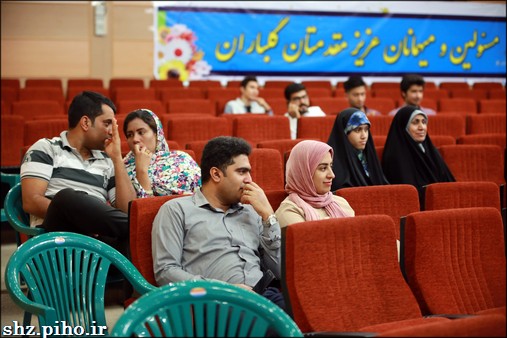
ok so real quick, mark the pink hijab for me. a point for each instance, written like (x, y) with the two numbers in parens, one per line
(301, 165)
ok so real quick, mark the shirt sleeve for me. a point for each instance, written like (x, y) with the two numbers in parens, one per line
(228, 108)
(347, 209)
(38, 161)
(289, 213)
(167, 239)
(270, 243)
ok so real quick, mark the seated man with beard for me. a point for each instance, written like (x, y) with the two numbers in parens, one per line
(298, 105)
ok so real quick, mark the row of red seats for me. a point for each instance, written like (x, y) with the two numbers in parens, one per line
(170, 103)
(487, 159)
(216, 92)
(165, 93)
(380, 253)
(444, 129)
(446, 266)
(138, 82)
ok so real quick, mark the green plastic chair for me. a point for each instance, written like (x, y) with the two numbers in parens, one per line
(11, 180)
(66, 277)
(16, 216)
(203, 309)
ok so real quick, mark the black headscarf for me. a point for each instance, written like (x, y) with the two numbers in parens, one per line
(347, 168)
(403, 160)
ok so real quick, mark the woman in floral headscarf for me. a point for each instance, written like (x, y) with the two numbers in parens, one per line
(309, 175)
(153, 168)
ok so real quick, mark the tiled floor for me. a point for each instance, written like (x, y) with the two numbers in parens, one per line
(11, 312)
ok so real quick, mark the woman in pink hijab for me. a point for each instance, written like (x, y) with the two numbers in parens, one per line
(309, 175)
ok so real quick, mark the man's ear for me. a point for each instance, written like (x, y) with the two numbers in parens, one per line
(216, 174)
(85, 123)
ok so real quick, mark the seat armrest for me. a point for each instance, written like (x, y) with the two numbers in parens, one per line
(339, 334)
(451, 315)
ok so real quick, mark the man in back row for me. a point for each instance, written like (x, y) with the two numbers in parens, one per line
(298, 105)
(412, 92)
(249, 101)
(355, 93)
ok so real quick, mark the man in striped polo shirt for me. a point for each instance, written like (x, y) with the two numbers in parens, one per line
(77, 182)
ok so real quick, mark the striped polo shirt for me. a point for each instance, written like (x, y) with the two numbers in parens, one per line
(55, 161)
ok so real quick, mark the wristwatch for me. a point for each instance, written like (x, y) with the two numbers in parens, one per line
(271, 220)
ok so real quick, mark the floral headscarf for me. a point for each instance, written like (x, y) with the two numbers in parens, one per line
(171, 172)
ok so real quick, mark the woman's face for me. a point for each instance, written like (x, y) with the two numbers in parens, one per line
(323, 175)
(139, 132)
(418, 128)
(359, 136)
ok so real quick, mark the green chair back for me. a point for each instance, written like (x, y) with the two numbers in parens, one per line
(65, 274)
(203, 309)
(16, 216)
(11, 180)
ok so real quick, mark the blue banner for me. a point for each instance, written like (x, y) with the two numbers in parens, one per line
(197, 42)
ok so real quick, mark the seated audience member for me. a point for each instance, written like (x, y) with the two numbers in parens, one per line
(412, 92)
(355, 161)
(226, 231)
(249, 101)
(309, 175)
(153, 168)
(355, 92)
(69, 181)
(409, 156)
(298, 105)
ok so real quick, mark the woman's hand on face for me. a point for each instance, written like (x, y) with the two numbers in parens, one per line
(142, 156)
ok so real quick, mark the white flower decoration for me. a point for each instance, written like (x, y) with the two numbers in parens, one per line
(177, 49)
(200, 69)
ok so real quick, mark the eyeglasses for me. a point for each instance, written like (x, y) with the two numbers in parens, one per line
(298, 98)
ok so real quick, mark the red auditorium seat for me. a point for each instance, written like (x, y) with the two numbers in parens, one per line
(355, 272)
(474, 162)
(30, 109)
(465, 106)
(85, 82)
(126, 106)
(454, 260)
(494, 139)
(260, 128)
(188, 129)
(486, 124)
(492, 107)
(394, 200)
(168, 94)
(452, 195)
(267, 168)
(12, 140)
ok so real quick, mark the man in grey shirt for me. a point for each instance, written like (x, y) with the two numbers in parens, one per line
(226, 231)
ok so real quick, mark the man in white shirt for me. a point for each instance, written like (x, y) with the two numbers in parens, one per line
(249, 101)
(412, 92)
(298, 105)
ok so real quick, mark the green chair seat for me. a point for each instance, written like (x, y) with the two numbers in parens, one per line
(65, 274)
(203, 309)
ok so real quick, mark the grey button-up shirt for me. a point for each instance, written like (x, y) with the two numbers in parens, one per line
(193, 240)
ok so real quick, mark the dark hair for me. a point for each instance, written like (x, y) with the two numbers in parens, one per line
(219, 152)
(247, 79)
(409, 80)
(142, 114)
(293, 88)
(353, 82)
(88, 104)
